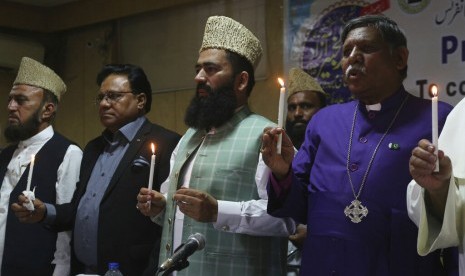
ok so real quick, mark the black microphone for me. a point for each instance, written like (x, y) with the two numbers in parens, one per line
(194, 242)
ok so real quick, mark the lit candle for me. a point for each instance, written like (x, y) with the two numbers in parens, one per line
(282, 107)
(434, 122)
(29, 176)
(152, 167)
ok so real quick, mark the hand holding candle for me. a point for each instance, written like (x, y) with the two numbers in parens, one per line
(434, 122)
(282, 107)
(28, 193)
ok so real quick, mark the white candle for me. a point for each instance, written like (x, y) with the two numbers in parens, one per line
(281, 108)
(29, 176)
(434, 122)
(152, 167)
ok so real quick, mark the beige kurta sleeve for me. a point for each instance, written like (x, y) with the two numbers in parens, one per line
(432, 233)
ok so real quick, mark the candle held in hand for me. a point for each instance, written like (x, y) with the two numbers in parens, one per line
(152, 167)
(281, 108)
(29, 176)
(434, 123)
(28, 193)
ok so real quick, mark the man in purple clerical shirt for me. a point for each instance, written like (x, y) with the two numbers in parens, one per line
(348, 181)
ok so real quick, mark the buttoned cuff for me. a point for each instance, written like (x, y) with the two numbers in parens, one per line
(229, 216)
(50, 214)
(158, 219)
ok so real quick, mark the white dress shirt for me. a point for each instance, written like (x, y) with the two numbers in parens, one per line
(68, 175)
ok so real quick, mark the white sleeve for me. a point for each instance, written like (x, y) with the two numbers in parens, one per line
(251, 217)
(68, 176)
(164, 186)
(432, 233)
(414, 201)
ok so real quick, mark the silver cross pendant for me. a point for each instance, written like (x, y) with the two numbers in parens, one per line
(356, 211)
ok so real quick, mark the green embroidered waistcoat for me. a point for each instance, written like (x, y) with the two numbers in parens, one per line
(225, 167)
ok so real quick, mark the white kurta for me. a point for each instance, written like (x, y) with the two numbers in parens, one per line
(432, 233)
(68, 175)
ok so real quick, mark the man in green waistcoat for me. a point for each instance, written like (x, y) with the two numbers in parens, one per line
(218, 179)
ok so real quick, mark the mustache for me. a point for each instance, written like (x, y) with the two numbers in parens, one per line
(13, 116)
(354, 68)
(205, 87)
(298, 121)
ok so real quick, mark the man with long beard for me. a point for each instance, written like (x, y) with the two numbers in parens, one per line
(32, 105)
(217, 181)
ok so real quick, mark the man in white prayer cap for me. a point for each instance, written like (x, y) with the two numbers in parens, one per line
(217, 182)
(32, 106)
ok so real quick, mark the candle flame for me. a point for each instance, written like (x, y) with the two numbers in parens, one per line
(281, 82)
(153, 148)
(33, 157)
(434, 90)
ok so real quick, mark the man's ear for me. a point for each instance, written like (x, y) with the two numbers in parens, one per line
(402, 58)
(240, 84)
(141, 101)
(48, 111)
(242, 80)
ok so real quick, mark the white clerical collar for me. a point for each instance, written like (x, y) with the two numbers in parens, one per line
(373, 107)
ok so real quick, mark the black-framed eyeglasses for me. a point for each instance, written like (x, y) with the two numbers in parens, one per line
(110, 96)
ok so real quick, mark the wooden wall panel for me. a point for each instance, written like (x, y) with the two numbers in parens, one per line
(78, 118)
(86, 49)
(6, 81)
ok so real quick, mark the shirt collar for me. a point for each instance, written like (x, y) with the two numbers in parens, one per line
(393, 102)
(128, 131)
(373, 107)
(40, 137)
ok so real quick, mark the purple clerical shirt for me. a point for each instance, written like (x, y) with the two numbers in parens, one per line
(384, 242)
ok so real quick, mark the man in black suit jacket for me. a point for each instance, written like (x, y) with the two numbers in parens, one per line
(106, 225)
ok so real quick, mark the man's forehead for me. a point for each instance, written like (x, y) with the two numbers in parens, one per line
(212, 56)
(115, 81)
(365, 33)
(19, 89)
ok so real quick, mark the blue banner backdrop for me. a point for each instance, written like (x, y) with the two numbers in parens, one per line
(434, 29)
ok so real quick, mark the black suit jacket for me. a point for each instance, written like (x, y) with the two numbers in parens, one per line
(124, 234)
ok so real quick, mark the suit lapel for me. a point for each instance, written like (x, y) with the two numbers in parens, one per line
(134, 147)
